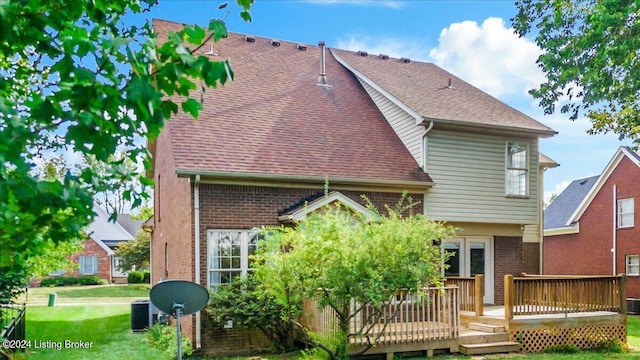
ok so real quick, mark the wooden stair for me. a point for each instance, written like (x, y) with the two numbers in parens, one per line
(486, 339)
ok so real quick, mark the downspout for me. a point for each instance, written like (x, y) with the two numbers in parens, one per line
(196, 241)
(424, 168)
(615, 225)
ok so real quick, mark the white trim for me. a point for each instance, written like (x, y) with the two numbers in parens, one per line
(335, 196)
(574, 229)
(626, 265)
(602, 179)
(419, 118)
(527, 169)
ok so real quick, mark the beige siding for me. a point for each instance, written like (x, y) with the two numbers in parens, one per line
(469, 173)
(402, 123)
(531, 234)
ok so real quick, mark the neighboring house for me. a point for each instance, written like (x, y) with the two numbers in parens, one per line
(299, 115)
(103, 238)
(591, 228)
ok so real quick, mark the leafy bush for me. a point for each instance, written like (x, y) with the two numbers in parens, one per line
(72, 280)
(147, 277)
(135, 277)
(164, 337)
(91, 280)
(244, 304)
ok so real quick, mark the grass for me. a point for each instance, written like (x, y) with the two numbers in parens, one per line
(86, 294)
(105, 327)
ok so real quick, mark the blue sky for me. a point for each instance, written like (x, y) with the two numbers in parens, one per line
(471, 39)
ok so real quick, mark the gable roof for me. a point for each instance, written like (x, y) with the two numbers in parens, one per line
(106, 233)
(558, 213)
(565, 211)
(436, 95)
(621, 153)
(274, 121)
(317, 201)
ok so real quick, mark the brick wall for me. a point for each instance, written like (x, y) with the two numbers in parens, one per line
(508, 260)
(172, 237)
(589, 251)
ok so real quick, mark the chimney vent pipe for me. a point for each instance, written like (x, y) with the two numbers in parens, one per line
(322, 78)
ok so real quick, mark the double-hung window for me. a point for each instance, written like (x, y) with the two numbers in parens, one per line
(229, 254)
(633, 265)
(517, 172)
(625, 213)
(88, 265)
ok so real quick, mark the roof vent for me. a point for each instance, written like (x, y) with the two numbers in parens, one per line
(301, 47)
(250, 39)
(322, 77)
(450, 86)
(405, 60)
(383, 57)
(275, 42)
(363, 53)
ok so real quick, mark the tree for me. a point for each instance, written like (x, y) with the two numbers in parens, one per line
(590, 60)
(79, 79)
(135, 253)
(336, 257)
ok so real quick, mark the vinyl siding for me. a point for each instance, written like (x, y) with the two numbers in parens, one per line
(402, 123)
(469, 173)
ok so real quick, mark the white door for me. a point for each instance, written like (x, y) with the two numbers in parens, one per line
(115, 270)
(471, 256)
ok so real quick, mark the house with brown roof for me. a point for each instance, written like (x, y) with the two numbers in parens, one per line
(589, 229)
(297, 116)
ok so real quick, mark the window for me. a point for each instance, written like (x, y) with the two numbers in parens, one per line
(59, 272)
(516, 182)
(633, 265)
(88, 265)
(228, 253)
(625, 213)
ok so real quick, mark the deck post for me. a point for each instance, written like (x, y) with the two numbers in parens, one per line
(479, 298)
(622, 290)
(509, 296)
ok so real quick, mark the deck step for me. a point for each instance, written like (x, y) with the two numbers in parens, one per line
(486, 327)
(490, 348)
(481, 337)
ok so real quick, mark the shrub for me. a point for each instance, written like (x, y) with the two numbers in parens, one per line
(49, 282)
(164, 337)
(147, 277)
(135, 277)
(91, 280)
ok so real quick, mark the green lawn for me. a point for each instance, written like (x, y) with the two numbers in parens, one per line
(86, 294)
(105, 328)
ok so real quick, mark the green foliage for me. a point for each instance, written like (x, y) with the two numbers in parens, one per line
(72, 280)
(135, 253)
(164, 338)
(56, 257)
(144, 213)
(590, 59)
(78, 79)
(247, 306)
(135, 277)
(335, 256)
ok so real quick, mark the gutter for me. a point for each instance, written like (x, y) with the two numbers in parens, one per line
(242, 178)
(196, 241)
(613, 230)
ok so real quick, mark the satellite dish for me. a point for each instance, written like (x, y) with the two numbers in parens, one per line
(179, 298)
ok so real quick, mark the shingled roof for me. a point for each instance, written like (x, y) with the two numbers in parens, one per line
(438, 95)
(274, 119)
(558, 213)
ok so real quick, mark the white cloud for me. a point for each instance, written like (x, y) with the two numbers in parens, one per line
(394, 4)
(394, 47)
(556, 190)
(491, 57)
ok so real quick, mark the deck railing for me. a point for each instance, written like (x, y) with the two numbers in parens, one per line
(432, 315)
(468, 287)
(537, 294)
